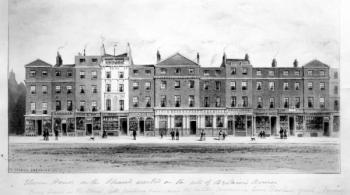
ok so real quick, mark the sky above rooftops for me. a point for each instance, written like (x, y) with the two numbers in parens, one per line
(284, 30)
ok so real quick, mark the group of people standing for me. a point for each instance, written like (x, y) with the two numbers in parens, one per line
(262, 134)
(46, 134)
(283, 133)
(222, 135)
(175, 134)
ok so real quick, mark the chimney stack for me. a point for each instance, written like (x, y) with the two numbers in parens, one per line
(295, 63)
(246, 57)
(158, 56)
(103, 50)
(59, 60)
(197, 58)
(274, 63)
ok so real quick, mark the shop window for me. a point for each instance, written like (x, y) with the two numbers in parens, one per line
(178, 121)
(208, 121)
(219, 121)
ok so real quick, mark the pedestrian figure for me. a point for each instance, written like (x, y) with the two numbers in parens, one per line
(263, 134)
(177, 134)
(223, 135)
(104, 134)
(281, 133)
(134, 134)
(172, 133)
(220, 133)
(260, 134)
(285, 134)
(56, 134)
(161, 134)
(44, 135)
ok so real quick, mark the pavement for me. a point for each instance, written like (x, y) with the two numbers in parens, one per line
(167, 140)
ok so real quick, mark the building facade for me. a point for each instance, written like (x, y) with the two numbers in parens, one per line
(109, 92)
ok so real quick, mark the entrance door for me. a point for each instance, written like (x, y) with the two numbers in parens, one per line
(142, 126)
(39, 127)
(64, 128)
(326, 128)
(291, 125)
(88, 129)
(193, 127)
(162, 127)
(273, 125)
(230, 127)
(124, 126)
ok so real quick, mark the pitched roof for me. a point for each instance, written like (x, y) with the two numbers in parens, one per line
(316, 64)
(177, 59)
(38, 62)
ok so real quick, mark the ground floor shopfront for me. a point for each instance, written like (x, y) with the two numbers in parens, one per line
(235, 122)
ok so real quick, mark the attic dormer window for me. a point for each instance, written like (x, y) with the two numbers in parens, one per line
(94, 59)
(206, 72)
(58, 73)
(81, 60)
(218, 72)
(163, 71)
(178, 71)
(44, 73)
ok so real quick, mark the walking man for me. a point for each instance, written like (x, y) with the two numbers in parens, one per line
(285, 134)
(220, 133)
(223, 135)
(134, 134)
(281, 133)
(177, 134)
(172, 133)
(56, 134)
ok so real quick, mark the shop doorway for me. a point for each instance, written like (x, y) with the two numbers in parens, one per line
(124, 126)
(64, 128)
(273, 125)
(193, 127)
(142, 126)
(326, 128)
(291, 126)
(89, 129)
(39, 127)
